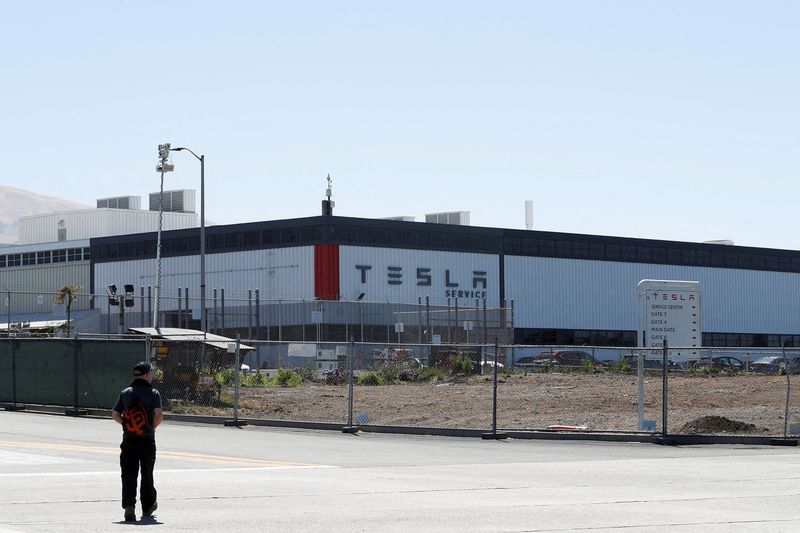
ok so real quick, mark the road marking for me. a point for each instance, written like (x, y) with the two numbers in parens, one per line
(160, 471)
(197, 457)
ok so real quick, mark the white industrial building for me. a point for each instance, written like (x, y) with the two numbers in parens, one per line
(386, 280)
(565, 288)
(54, 250)
(113, 216)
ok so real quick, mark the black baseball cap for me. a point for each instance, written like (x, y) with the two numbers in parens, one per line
(142, 368)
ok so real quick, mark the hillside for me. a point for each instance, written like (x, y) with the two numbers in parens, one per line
(16, 203)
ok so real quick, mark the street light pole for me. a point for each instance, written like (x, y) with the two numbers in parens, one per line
(202, 159)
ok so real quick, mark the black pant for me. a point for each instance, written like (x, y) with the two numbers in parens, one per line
(135, 452)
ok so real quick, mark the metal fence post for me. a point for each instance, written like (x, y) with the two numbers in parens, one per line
(349, 428)
(788, 393)
(665, 390)
(222, 309)
(236, 386)
(419, 318)
(485, 325)
(428, 319)
(75, 411)
(13, 406)
(249, 313)
(494, 435)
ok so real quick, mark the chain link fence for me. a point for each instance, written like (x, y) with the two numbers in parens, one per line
(745, 392)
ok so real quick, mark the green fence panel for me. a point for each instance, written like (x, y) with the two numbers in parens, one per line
(45, 370)
(105, 368)
(6, 374)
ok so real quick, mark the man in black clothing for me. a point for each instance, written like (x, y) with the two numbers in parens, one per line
(138, 410)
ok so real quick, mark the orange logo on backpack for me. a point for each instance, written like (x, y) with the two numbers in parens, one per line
(136, 420)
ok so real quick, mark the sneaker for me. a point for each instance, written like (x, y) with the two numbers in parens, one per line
(130, 514)
(150, 511)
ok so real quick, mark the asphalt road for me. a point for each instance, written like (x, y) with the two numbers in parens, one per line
(61, 474)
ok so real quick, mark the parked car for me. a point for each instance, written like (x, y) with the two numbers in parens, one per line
(566, 358)
(725, 363)
(774, 364)
(650, 363)
(770, 364)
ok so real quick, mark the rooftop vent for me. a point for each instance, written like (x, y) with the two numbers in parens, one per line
(726, 242)
(120, 202)
(460, 218)
(181, 201)
(401, 218)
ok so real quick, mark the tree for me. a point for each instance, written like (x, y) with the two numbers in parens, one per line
(66, 295)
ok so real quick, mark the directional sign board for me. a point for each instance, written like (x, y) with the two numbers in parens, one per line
(670, 310)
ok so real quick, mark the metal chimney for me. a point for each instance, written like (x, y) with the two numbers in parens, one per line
(529, 214)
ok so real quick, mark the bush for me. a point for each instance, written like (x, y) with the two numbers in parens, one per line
(256, 380)
(620, 365)
(306, 372)
(287, 377)
(335, 376)
(225, 377)
(389, 373)
(434, 373)
(461, 364)
(587, 366)
(370, 378)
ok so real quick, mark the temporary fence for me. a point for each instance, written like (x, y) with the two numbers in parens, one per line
(490, 387)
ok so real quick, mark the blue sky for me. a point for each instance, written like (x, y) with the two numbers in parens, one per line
(670, 120)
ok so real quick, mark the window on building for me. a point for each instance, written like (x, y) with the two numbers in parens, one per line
(74, 254)
(529, 246)
(564, 248)
(62, 234)
(597, 250)
(87, 254)
(629, 253)
(252, 238)
(2, 261)
(14, 260)
(42, 258)
(234, 239)
(59, 256)
(547, 247)
(580, 249)
(29, 258)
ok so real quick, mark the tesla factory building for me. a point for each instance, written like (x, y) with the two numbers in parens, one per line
(566, 288)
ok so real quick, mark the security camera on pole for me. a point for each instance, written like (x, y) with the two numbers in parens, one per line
(165, 165)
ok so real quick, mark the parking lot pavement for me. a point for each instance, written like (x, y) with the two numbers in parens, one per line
(61, 474)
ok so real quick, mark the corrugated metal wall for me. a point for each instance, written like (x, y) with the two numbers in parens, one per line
(393, 276)
(578, 294)
(91, 223)
(281, 273)
(33, 287)
(548, 292)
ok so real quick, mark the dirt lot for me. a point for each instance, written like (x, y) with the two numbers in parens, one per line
(700, 404)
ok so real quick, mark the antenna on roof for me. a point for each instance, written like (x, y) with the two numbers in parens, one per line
(327, 205)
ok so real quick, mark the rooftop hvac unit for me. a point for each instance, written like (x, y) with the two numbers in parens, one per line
(120, 202)
(181, 201)
(725, 242)
(460, 218)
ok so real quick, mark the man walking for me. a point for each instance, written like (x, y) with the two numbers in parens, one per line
(138, 410)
